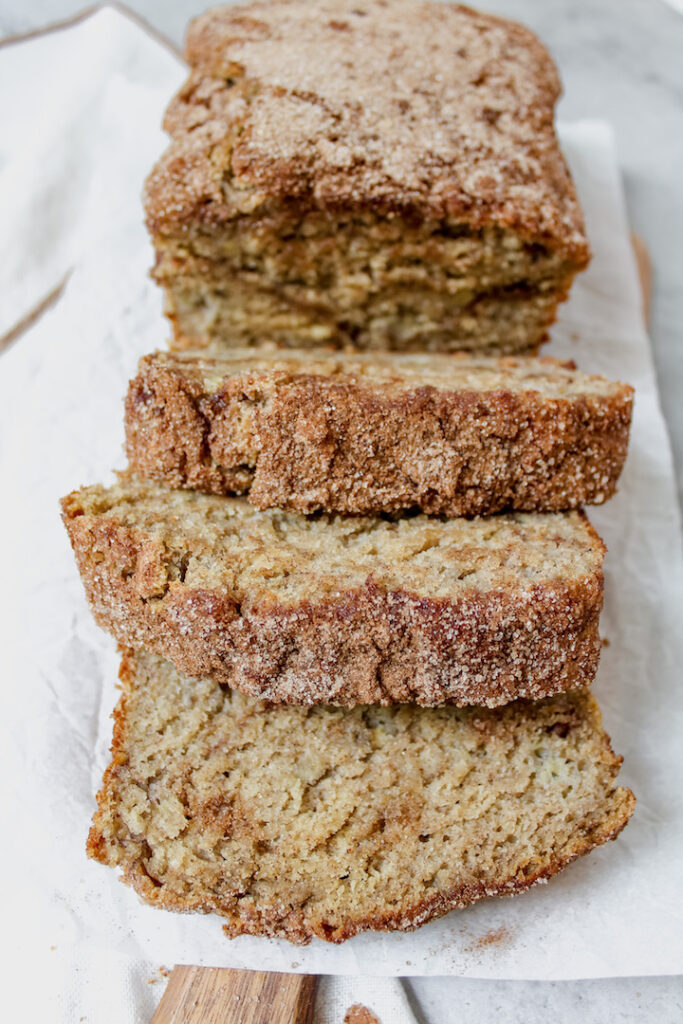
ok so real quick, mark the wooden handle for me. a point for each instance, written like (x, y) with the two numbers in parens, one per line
(216, 995)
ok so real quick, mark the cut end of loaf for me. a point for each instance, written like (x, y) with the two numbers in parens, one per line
(302, 823)
(302, 200)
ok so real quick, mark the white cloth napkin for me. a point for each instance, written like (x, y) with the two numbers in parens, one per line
(82, 132)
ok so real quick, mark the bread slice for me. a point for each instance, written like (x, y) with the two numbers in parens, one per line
(373, 174)
(342, 610)
(300, 822)
(309, 431)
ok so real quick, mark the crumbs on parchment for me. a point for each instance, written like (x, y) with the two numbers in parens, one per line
(494, 937)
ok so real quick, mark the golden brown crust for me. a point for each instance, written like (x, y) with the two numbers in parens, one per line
(568, 732)
(286, 100)
(304, 198)
(354, 645)
(298, 439)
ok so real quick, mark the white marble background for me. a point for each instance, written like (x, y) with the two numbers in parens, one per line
(621, 60)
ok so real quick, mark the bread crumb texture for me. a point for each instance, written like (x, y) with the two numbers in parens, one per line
(301, 822)
(342, 610)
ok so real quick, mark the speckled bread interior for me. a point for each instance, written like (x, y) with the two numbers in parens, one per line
(301, 822)
(304, 200)
(371, 434)
(343, 610)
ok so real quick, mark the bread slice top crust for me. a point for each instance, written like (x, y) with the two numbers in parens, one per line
(209, 542)
(303, 822)
(449, 435)
(393, 373)
(425, 110)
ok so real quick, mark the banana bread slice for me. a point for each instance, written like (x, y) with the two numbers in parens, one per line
(375, 174)
(299, 822)
(308, 431)
(340, 610)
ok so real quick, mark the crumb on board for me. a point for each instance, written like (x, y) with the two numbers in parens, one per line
(358, 1014)
(162, 973)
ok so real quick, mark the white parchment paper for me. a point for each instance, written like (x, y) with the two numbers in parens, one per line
(617, 912)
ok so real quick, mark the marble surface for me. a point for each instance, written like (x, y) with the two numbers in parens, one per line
(621, 60)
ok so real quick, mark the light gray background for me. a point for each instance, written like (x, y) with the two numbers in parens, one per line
(621, 60)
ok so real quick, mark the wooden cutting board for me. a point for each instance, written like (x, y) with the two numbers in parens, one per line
(213, 995)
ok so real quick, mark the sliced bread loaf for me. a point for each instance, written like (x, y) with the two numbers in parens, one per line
(455, 435)
(301, 822)
(332, 609)
(373, 174)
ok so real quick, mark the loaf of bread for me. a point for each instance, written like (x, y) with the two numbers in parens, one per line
(301, 822)
(370, 434)
(342, 610)
(375, 174)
